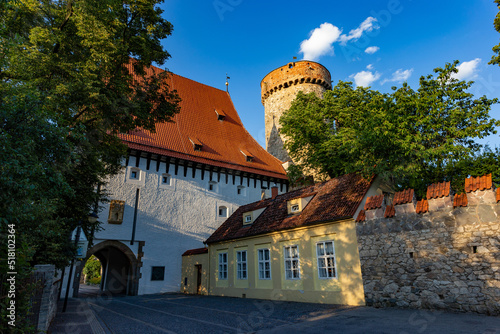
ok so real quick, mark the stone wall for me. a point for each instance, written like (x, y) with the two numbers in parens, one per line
(445, 258)
(48, 307)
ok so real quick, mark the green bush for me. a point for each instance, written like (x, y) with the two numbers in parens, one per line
(94, 281)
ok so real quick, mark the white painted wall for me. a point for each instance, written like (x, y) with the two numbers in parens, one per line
(171, 219)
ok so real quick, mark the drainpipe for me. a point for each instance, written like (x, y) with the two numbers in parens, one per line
(135, 216)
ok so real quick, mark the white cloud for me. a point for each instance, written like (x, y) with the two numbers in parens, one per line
(399, 76)
(372, 49)
(369, 67)
(320, 41)
(467, 70)
(365, 78)
(355, 34)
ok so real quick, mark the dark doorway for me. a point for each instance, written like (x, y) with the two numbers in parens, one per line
(198, 278)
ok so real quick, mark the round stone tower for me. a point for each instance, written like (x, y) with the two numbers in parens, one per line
(278, 90)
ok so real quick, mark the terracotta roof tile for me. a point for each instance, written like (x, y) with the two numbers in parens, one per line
(374, 202)
(460, 200)
(390, 211)
(437, 190)
(498, 195)
(422, 206)
(403, 197)
(197, 122)
(335, 199)
(478, 183)
(195, 251)
(361, 216)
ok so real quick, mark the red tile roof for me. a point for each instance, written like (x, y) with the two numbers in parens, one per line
(478, 183)
(390, 211)
(460, 200)
(195, 251)
(361, 216)
(403, 197)
(422, 206)
(498, 195)
(335, 199)
(197, 122)
(374, 202)
(437, 190)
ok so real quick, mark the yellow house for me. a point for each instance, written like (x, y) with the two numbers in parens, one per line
(299, 246)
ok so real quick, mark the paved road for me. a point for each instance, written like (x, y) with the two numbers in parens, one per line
(177, 313)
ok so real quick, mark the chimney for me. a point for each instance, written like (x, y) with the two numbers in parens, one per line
(274, 192)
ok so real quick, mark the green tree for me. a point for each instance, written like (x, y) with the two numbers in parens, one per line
(66, 92)
(410, 138)
(495, 59)
(92, 268)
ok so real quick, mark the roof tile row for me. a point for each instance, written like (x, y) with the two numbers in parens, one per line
(390, 211)
(478, 183)
(460, 200)
(374, 202)
(422, 206)
(437, 190)
(404, 197)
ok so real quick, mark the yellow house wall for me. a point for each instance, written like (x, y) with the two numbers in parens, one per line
(346, 289)
(189, 271)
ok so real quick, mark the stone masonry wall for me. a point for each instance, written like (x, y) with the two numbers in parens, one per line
(446, 258)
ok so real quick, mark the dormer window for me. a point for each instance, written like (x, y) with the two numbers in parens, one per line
(248, 218)
(221, 115)
(297, 205)
(249, 157)
(197, 145)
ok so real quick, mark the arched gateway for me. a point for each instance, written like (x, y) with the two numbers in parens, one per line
(120, 267)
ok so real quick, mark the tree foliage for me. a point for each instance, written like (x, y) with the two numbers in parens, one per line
(495, 59)
(409, 137)
(65, 94)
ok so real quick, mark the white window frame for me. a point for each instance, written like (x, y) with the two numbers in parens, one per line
(137, 172)
(241, 265)
(248, 218)
(262, 261)
(290, 270)
(222, 266)
(295, 208)
(329, 265)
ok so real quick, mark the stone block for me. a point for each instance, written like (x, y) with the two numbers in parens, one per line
(481, 197)
(486, 213)
(437, 204)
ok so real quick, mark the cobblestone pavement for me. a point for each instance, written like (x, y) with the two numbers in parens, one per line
(178, 313)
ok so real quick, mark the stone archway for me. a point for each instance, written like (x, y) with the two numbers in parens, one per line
(120, 268)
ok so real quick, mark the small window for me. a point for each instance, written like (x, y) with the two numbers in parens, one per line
(135, 174)
(197, 145)
(222, 211)
(158, 273)
(292, 270)
(264, 263)
(241, 264)
(212, 186)
(165, 179)
(295, 208)
(241, 190)
(249, 159)
(223, 266)
(248, 218)
(326, 259)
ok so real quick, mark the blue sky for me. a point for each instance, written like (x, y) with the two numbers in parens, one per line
(372, 43)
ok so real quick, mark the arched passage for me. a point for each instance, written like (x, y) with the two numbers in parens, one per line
(120, 267)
